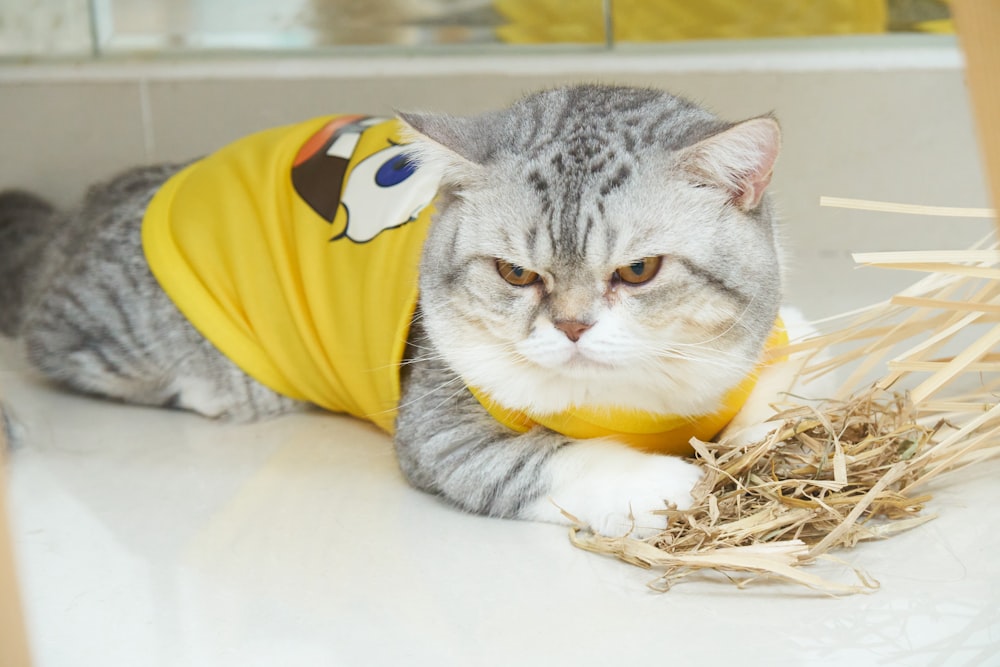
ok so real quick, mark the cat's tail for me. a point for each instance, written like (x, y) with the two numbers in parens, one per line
(25, 226)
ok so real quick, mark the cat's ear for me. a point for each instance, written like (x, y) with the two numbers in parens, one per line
(456, 145)
(740, 159)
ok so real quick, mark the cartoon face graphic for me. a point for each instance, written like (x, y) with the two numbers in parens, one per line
(361, 195)
(385, 190)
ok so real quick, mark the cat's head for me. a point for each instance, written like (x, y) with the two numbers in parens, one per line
(600, 246)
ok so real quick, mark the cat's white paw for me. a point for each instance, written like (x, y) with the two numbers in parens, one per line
(201, 396)
(614, 489)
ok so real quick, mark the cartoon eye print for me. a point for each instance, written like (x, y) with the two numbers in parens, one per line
(394, 171)
(385, 190)
(382, 191)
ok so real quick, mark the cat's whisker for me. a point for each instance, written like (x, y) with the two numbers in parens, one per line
(738, 321)
(505, 349)
(422, 397)
(707, 361)
(447, 399)
(699, 353)
(419, 358)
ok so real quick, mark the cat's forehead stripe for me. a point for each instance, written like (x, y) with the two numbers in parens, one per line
(568, 202)
(538, 181)
(616, 180)
(714, 281)
(536, 125)
(582, 248)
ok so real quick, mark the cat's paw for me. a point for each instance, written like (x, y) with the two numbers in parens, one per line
(615, 490)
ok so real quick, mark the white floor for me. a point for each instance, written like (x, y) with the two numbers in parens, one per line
(151, 538)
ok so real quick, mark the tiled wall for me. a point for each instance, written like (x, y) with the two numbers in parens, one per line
(893, 132)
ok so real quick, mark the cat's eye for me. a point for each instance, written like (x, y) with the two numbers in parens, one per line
(639, 271)
(516, 275)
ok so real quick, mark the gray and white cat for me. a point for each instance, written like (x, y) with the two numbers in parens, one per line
(569, 188)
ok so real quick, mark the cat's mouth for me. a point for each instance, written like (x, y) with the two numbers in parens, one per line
(569, 359)
(580, 361)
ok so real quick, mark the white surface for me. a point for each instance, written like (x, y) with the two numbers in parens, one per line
(149, 537)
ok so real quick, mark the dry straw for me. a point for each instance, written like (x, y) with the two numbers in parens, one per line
(854, 467)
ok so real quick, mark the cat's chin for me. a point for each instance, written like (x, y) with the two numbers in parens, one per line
(683, 389)
(576, 366)
(582, 367)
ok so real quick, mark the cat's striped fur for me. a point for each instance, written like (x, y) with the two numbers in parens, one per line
(569, 183)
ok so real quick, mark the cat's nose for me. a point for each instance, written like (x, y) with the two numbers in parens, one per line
(572, 328)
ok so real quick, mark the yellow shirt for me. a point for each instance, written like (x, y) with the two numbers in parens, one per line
(295, 252)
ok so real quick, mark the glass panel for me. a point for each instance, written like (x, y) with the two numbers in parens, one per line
(44, 27)
(920, 16)
(132, 25)
(679, 20)
(65, 27)
(552, 21)
(675, 20)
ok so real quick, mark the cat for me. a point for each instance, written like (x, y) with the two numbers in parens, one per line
(594, 248)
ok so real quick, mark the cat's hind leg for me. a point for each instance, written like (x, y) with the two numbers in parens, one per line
(145, 353)
(101, 324)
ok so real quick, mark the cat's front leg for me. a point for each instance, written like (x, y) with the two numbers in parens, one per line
(449, 445)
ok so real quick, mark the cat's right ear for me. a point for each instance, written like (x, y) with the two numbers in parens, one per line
(453, 144)
(739, 159)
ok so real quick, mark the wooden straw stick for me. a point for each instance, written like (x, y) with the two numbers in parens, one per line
(954, 367)
(954, 406)
(929, 346)
(953, 269)
(890, 477)
(911, 209)
(13, 641)
(928, 256)
(953, 453)
(965, 306)
(978, 23)
(932, 366)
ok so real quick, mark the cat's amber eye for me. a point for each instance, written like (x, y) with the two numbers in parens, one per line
(516, 275)
(639, 271)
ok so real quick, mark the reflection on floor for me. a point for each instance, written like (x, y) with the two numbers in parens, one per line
(150, 537)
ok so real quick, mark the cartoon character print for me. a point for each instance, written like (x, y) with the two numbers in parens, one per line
(382, 191)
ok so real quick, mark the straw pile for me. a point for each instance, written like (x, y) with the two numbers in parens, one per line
(854, 467)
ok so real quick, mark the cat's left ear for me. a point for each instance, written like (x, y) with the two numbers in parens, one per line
(740, 159)
(454, 144)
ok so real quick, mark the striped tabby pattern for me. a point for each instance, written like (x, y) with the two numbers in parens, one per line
(573, 187)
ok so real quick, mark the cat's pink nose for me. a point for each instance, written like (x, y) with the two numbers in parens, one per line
(572, 328)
